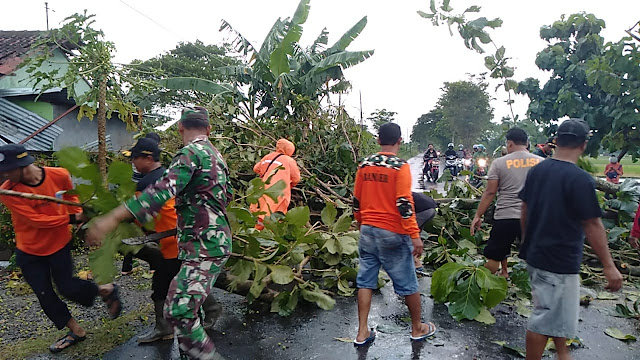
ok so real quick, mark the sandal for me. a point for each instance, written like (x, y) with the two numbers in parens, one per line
(432, 331)
(367, 341)
(70, 342)
(114, 296)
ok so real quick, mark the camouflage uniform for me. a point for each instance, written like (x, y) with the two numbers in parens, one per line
(199, 180)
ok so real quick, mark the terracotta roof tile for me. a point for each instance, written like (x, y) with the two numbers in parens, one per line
(13, 44)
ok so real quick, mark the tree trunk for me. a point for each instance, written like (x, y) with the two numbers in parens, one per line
(622, 154)
(102, 128)
(606, 186)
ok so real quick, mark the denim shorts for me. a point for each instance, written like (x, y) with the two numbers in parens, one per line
(556, 303)
(392, 251)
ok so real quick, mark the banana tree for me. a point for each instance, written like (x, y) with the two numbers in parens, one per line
(282, 79)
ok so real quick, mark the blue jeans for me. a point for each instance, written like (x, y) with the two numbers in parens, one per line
(392, 251)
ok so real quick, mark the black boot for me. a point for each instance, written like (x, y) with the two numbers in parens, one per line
(162, 329)
(212, 310)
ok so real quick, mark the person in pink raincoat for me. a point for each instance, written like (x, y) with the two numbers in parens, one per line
(280, 166)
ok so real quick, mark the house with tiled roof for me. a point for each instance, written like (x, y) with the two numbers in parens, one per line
(47, 121)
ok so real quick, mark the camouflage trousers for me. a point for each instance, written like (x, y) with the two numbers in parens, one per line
(187, 292)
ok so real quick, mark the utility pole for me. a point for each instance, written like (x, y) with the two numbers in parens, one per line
(361, 119)
(46, 8)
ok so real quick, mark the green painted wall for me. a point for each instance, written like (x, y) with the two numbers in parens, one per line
(41, 108)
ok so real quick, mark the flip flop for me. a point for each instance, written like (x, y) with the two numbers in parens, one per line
(432, 331)
(74, 340)
(110, 299)
(367, 341)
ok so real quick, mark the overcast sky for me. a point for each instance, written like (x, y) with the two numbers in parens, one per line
(412, 58)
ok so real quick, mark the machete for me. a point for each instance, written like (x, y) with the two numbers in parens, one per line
(140, 240)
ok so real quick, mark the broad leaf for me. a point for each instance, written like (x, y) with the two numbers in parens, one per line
(485, 317)
(275, 191)
(348, 245)
(617, 334)
(258, 285)
(347, 38)
(465, 300)
(196, 84)
(328, 214)
(343, 224)
(281, 274)
(298, 216)
(443, 281)
(321, 299)
(242, 270)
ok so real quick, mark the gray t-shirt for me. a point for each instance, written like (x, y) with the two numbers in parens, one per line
(511, 172)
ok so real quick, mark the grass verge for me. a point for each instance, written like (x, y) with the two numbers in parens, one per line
(102, 336)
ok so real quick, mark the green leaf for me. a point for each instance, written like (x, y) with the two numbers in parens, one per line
(465, 300)
(425, 15)
(347, 38)
(321, 299)
(518, 351)
(255, 190)
(494, 288)
(242, 269)
(500, 53)
(332, 245)
(348, 245)
(432, 6)
(101, 261)
(328, 214)
(258, 285)
(196, 84)
(485, 317)
(285, 302)
(443, 281)
(119, 173)
(275, 191)
(605, 295)
(281, 274)
(298, 216)
(78, 164)
(473, 9)
(343, 224)
(618, 334)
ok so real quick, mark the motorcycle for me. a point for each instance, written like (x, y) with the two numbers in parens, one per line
(479, 172)
(451, 163)
(432, 170)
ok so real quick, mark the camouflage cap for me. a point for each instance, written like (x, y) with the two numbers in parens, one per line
(195, 112)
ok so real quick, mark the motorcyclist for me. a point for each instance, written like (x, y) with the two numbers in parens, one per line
(450, 151)
(429, 155)
(461, 153)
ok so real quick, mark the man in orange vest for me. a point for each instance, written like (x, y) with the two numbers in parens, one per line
(43, 242)
(278, 165)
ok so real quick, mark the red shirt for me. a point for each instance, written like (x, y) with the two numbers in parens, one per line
(42, 227)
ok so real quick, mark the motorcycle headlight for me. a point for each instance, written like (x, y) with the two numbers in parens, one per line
(467, 162)
(482, 162)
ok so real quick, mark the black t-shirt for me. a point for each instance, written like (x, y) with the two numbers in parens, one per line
(150, 178)
(431, 153)
(559, 196)
(423, 202)
(450, 152)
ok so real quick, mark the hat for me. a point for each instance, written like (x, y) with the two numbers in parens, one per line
(145, 147)
(551, 141)
(14, 156)
(574, 127)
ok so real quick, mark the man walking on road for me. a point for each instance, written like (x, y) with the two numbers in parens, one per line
(199, 180)
(389, 235)
(506, 177)
(560, 207)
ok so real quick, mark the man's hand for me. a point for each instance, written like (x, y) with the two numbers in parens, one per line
(475, 224)
(100, 227)
(634, 243)
(418, 246)
(614, 279)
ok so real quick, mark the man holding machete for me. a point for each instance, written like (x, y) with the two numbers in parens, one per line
(43, 241)
(198, 178)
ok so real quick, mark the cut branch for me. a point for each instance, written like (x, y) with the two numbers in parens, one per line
(39, 197)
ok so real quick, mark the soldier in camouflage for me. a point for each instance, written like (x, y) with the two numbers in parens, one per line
(198, 178)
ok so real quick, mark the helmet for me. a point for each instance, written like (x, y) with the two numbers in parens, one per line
(481, 147)
(450, 145)
(475, 146)
(461, 147)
